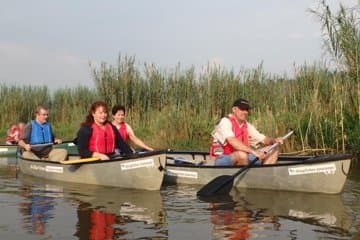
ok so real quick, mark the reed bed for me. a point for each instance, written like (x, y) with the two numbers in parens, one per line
(178, 109)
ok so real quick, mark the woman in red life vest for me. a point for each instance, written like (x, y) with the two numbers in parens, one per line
(238, 138)
(125, 129)
(97, 137)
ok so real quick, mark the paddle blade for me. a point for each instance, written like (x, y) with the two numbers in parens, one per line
(218, 186)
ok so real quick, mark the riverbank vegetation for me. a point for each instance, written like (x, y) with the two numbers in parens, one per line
(178, 108)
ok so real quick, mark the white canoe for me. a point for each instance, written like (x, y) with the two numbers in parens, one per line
(139, 171)
(325, 173)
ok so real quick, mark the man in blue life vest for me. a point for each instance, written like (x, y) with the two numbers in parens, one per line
(38, 137)
(238, 139)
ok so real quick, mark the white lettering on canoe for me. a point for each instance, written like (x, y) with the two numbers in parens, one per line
(322, 168)
(47, 168)
(137, 164)
(4, 149)
(71, 144)
(36, 167)
(183, 174)
(54, 169)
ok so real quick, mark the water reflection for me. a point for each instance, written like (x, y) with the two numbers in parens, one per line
(107, 213)
(248, 214)
(102, 212)
(36, 209)
(43, 209)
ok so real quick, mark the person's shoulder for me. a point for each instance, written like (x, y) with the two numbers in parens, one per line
(128, 126)
(112, 126)
(250, 125)
(85, 128)
(224, 120)
(28, 125)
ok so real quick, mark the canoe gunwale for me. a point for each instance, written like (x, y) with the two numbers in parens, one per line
(323, 174)
(283, 160)
(118, 159)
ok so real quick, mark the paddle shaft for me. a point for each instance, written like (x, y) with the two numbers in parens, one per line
(50, 144)
(225, 182)
(268, 150)
(80, 160)
(42, 145)
(276, 144)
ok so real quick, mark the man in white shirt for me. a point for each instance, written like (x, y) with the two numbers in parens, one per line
(239, 139)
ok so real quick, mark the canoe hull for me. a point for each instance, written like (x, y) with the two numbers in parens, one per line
(8, 150)
(325, 175)
(143, 172)
(11, 150)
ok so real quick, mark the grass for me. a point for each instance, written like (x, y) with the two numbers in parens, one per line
(179, 109)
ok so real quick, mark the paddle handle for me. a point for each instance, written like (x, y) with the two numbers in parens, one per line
(276, 144)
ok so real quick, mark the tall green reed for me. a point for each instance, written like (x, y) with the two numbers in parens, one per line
(179, 108)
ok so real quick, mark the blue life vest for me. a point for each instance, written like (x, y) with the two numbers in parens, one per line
(40, 133)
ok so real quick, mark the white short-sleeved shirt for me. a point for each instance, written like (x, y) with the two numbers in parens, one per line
(223, 130)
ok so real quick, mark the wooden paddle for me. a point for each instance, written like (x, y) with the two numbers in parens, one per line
(224, 183)
(81, 160)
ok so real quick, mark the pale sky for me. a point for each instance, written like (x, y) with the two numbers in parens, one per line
(52, 42)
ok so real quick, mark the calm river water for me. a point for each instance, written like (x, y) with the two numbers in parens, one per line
(32, 208)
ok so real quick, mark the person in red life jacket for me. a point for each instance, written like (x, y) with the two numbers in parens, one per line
(97, 137)
(238, 139)
(12, 134)
(37, 138)
(125, 130)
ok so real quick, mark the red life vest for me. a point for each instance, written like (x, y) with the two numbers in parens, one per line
(102, 141)
(13, 135)
(240, 133)
(123, 132)
(101, 225)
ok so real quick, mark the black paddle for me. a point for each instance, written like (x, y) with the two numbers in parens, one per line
(223, 184)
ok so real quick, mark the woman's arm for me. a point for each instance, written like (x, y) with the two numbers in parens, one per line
(137, 141)
(83, 138)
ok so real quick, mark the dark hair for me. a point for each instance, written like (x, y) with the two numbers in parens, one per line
(242, 104)
(41, 107)
(89, 118)
(117, 108)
